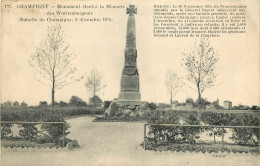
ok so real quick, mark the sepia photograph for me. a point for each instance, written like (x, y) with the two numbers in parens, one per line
(115, 83)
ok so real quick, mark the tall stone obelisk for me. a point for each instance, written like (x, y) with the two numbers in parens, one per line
(129, 92)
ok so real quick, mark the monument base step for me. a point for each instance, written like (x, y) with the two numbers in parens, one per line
(126, 103)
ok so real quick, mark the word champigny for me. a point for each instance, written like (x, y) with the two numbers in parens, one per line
(32, 6)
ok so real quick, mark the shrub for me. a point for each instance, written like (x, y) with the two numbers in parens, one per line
(216, 119)
(95, 101)
(6, 130)
(243, 136)
(23, 104)
(191, 133)
(55, 131)
(29, 131)
(43, 104)
(63, 104)
(152, 105)
(106, 104)
(213, 118)
(77, 102)
(171, 133)
(239, 135)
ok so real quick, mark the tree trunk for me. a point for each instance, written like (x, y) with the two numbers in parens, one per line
(199, 102)
(94, 103)
(53, 90)
(94, 97)
(52, 98)
(199, 97)
(93, 110)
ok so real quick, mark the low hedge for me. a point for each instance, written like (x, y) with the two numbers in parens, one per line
(39, 114)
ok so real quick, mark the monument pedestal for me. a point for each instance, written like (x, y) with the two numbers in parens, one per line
(129, 98)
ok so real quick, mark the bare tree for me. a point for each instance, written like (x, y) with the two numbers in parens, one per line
(94, 83)
(173, 84)
(53, 62)
(200, 64)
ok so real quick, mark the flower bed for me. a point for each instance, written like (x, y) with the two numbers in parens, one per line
(202, 147)
(120, 119)
(21, 143)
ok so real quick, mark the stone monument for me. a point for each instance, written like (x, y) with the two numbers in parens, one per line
(129, 93)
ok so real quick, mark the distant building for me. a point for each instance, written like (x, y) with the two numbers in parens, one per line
(227, 104)
(174, 104)
(189, 105)
(217, 101)
(43, 104)
(210, 107)
(163, 105)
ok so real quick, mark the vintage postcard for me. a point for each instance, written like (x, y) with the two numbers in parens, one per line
(130, 82)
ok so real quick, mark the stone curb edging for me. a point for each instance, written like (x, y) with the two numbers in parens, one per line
(200, 152)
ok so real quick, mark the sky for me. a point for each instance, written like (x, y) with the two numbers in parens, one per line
(101, 45)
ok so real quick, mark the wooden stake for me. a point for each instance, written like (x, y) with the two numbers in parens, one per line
(222, 134)
(144, 135)
(63, 144)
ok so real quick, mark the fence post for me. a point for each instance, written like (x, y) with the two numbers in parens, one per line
(222, 134)
(144, 135)
(63, 130)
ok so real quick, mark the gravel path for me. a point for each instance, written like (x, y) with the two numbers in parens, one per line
(115, 143)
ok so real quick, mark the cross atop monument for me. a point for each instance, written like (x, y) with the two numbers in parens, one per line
(131, 10)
